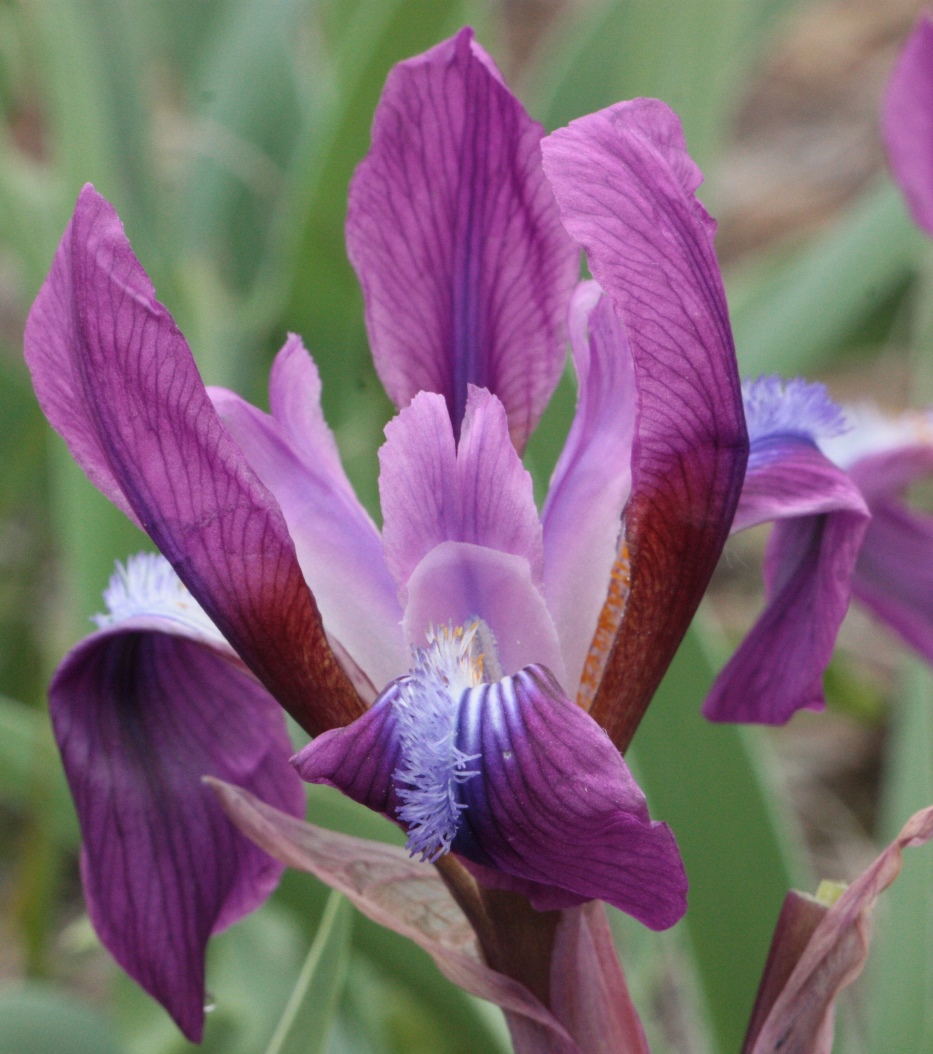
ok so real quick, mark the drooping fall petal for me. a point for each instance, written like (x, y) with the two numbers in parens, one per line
(116, 378)
(454, 233)
(141, 711)
(801, 1019)
(582, 515)
(626, 189)
(542, 797)
(907, 122)
(821, 521)
(338, 546)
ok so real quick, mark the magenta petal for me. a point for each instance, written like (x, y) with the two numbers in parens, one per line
(778, 668)
(454, 233)
(338, 546)
(140, 716)
(548, 803)
(894, 573)
(554, 803)
(582, 516)
(116, 378)
(360, 759)
(436, 491)
(625, 185)
(907, 122)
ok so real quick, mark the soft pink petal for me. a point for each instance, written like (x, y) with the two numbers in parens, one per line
(434, 491)
(338, 545)
(458, 582)
(582, 516)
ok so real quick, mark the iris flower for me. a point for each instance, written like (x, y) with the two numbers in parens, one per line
(834, 480)
(474, 670)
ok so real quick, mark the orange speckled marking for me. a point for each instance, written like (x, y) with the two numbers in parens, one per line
(620, 583)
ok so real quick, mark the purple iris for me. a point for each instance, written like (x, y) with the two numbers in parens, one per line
(834, 482)
(473, 670)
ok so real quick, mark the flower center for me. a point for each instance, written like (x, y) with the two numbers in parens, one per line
(427, 706)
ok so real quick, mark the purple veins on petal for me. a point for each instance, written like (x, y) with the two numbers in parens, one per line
(116, 378)
(142, 710)
(455, 235)
(510, 775)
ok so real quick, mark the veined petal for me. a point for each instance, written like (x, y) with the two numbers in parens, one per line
(338, 546)
(582, 515)
(625, 185)
(822, 518)
(536, 791)
(142, 710)
(555, 804)
(454, 233)
(434, 491)
(117, 380)
(907, 122)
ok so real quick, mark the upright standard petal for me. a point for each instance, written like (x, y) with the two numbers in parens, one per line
(516, 778)
(625, 185)
(338, 546)
(142, 710)
(907, 122)
(822, 518)
(117, 380)
(582, 516)
(454, 233)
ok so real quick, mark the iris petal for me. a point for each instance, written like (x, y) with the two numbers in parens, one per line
(907, 122)
(140, 716)
(338, 546)
(552, 808)
(116, 378)
(626, 187)
(454, 233)
(822, 518)
(582, 516)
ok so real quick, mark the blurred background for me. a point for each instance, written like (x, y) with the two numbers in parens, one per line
(225, 132)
